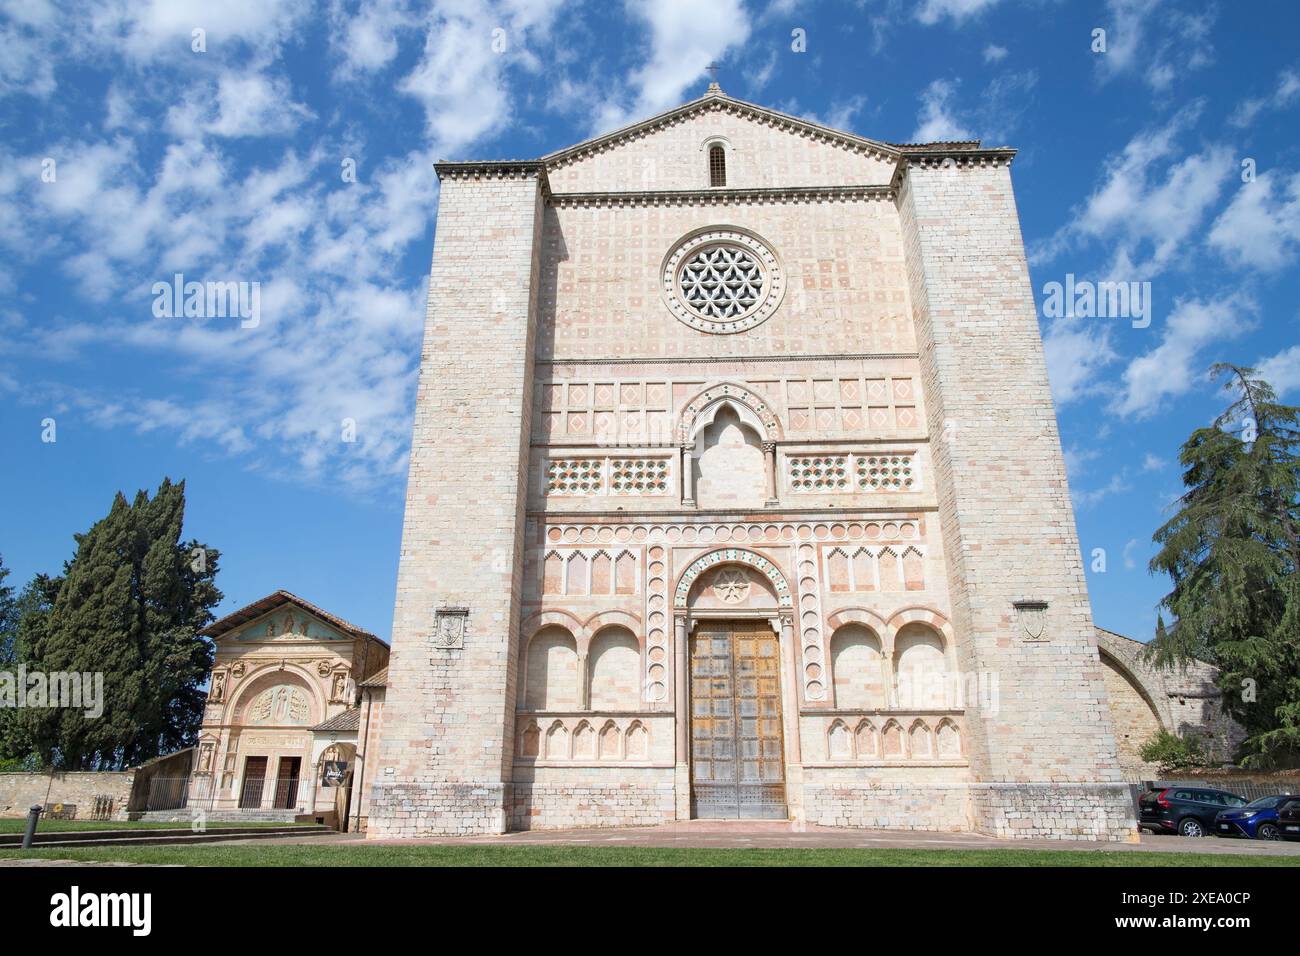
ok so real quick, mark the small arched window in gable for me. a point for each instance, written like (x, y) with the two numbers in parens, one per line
(717, 165)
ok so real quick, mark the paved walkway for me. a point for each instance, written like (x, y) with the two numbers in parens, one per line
(719, 833)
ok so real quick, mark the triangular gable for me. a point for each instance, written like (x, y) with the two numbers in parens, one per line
(267, 619)
(721, 101)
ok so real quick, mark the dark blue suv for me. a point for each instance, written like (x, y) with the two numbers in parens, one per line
(1257, 820)
(1189, 811)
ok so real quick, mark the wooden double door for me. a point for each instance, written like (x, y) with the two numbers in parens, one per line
(737, 764)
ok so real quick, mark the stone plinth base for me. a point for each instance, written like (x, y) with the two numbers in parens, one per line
(1055, 811)
(437, 809)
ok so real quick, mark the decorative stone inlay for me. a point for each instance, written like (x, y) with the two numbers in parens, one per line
(1032, 617)
(808, 626)
(885, 472)
(639, 476)
(284, 704)
(903, 527)
(727, 556)
(827, 473)
(722, 280)
(574, 476)
(731, 586)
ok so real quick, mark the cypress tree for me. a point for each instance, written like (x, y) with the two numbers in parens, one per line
(1232, 551)
(129, 606)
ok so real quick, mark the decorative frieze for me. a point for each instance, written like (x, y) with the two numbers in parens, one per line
(871, 471)
(592, 476)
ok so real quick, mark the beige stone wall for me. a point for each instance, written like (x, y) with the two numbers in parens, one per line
(446, 754)
(846, 282)
(1133, 716)
(673, 157)
(1003, 499)
(19, 791)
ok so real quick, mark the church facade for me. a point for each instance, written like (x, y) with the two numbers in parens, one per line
(736, 492)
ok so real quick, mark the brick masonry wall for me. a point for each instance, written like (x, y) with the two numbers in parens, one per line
(1004, 504)
(19, 791)
(446, 751)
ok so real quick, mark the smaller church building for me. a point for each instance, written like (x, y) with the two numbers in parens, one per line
(288, 713)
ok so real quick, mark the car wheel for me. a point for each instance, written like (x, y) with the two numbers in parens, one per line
(1267, 831)
(1191, 827)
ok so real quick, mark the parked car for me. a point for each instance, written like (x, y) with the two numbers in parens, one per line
(1256, 820)
(1189, 811)
(1288, 819)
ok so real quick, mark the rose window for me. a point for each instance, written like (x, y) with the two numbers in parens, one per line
(722, 282)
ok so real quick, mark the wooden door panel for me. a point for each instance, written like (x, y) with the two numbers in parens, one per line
(736, 752)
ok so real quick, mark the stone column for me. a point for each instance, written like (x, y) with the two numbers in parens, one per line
(681, 715)
(769, 464)
(688, 476)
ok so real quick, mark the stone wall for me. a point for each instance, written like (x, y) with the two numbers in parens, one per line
(911, 799)
(1004, 506)
(19, 791)
(446, 752)
(550, 797)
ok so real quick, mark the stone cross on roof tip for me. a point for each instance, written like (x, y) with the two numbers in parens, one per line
(714, 89)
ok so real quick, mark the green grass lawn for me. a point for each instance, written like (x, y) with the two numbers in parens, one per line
(479, 855)
(46, 826)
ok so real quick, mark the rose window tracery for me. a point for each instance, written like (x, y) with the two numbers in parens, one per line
(721, 282)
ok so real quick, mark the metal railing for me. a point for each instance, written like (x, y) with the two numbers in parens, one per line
(167, 793)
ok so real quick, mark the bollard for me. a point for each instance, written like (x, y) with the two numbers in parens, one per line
(33, 815)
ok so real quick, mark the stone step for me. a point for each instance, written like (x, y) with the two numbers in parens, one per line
(156, 837)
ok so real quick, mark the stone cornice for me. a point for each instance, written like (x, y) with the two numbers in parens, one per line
(493, 169)
(722, 197)
(720, 102)
(950, 158)
(717, 360)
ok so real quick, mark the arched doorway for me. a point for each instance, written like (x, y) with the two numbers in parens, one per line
(731, 617)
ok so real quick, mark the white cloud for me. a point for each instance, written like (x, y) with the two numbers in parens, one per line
(1129, 554)
(460, 79)
(1086, 499)
(1260, 229)
(1076, 351)
(994, 53)
(936, 123)
(1282, 370)
(364, 35)
(685, 36)
(243, 103)
(1153, 463)
(1172, 367)
(1179, 46)
(932, 11)
(1148, 203)
(1286, 93)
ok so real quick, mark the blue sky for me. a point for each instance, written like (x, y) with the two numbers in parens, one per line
(128, 156)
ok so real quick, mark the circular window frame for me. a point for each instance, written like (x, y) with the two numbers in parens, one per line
(686, 247)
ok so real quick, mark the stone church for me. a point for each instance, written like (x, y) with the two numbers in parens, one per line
(736, 492)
